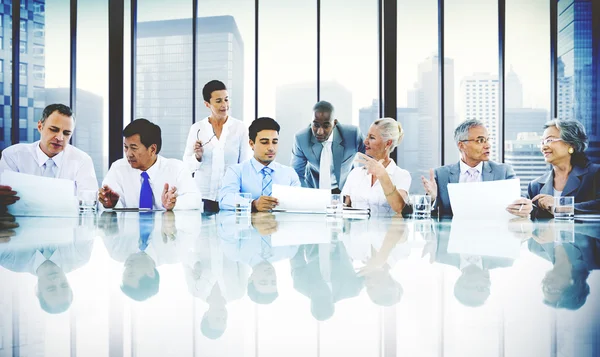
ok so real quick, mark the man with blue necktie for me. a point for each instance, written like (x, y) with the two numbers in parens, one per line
(257, 175)
(145, 179)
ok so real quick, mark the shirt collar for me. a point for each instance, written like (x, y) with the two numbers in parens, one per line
(257, 166)
(154, 169)
(464, 167)
(41, 157)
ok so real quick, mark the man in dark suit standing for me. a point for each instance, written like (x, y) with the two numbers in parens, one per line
(323, 154)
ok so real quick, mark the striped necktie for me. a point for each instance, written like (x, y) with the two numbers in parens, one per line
(267, 182)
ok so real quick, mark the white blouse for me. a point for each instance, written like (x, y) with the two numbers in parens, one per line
(363, 195)
(230, 149)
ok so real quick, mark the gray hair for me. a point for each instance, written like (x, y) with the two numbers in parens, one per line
(390, 129)
(572, 132)
(462, 130)
(323, 107)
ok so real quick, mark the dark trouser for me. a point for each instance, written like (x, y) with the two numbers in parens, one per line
(210, 206)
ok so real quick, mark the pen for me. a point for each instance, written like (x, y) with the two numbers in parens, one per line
(520, 208)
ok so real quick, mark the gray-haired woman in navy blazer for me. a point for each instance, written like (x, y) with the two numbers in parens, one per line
(563, 144)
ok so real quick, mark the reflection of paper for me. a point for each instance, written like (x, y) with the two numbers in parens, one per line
(301, 199)
(483, 200)
(41, 196)
(296, 229)
(490, 238)
(40, 231)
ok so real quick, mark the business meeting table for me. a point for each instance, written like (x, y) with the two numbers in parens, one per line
(185, 283)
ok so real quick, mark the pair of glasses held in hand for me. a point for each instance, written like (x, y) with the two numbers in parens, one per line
(198, 138)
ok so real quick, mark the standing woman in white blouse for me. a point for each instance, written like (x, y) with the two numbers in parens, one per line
(379, 185)
(215, 143)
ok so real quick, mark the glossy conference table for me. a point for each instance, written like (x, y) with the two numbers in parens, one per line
(297, 285)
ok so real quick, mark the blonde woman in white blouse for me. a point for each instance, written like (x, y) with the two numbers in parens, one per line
(380, 184)
(215, 143)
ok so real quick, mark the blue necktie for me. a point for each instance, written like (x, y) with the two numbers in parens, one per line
(267, 182)
(145, 192)
(146, 228)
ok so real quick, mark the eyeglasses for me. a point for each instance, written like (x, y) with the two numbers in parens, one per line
(206, 143)
(547, 141)
(479, 141)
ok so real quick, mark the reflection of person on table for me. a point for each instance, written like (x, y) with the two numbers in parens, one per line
(324, 273)
(49, 263)
(215, 279)
(257, 252)
(563, 144)
(565, 285)
(472, 288)
(379, 245)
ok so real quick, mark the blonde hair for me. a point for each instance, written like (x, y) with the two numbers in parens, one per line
(390, 129)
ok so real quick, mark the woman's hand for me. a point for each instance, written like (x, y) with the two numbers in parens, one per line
(374, 167)
(544, 201)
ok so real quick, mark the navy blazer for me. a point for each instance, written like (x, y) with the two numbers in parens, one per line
(583, 183)
(451, 174)
(306, 154)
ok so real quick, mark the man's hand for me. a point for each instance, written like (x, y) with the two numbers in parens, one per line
(7, 196)
(108, 197)
(520, 207)
(169, 197)
(198, 150)
(430, 185)
(265, 203)
(264, 223)
(168, 228)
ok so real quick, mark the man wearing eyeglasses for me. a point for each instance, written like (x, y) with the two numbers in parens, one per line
(473, 142)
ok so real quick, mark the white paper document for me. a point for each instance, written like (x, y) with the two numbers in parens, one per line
(296, 229)
(301, 199)
(491, 238)
(41, 196)
(483, 200)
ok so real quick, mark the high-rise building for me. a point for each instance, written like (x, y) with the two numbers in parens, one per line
(31, 70)
(88, 124)
(164, 64)
(427, 88)
(479, 100)
(513, 90)
(367, 115)
(293, 110)
(579, 79)
(524, 120)
(524, 155)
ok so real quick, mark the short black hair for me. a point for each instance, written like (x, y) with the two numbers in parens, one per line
(58, 309)
(147, 287)
(208, 331)
(260, 124)
(259, 297)
(61, 108)
(148, 131)
(210, 87)
(323, 107)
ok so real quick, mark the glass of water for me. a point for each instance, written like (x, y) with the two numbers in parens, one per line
(421, 206)
(564, 208)
(88, 200)
(243, 204)
(335, 206)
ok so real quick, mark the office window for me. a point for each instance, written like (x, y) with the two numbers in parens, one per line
(23, 91)
(38, 51)
(23, 24)
(39, 8)
(23, 69)
(23, 47)
(38, 29)
(39, 72)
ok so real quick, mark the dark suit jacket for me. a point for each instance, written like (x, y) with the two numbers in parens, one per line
(451, 174)
(443, 257)
(306, 154)
(583, 183)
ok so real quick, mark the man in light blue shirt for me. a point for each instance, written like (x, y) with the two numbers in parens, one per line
(257, 175)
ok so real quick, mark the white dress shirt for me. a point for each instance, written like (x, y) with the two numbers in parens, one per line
(71, 164)
(363, 195)
(219, 153)
(464, 168)
(127, 182)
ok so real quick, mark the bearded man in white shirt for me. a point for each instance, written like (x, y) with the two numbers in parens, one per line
(144, 179)
(51, 156)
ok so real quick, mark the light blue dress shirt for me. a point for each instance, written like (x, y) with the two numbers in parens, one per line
(247, 178)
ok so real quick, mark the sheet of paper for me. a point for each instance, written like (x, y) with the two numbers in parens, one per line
(483, 200)
(491, 238)
(41, 196)
(296, 229)
(301, 199)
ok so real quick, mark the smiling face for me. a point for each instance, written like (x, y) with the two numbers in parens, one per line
(265, 146)
(55, 133)
(554, 151)
(471, 151)
(219, 104)
(138, 155)
(375, 146)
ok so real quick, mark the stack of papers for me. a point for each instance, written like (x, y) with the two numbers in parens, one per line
(483, 200)
(301, 199)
